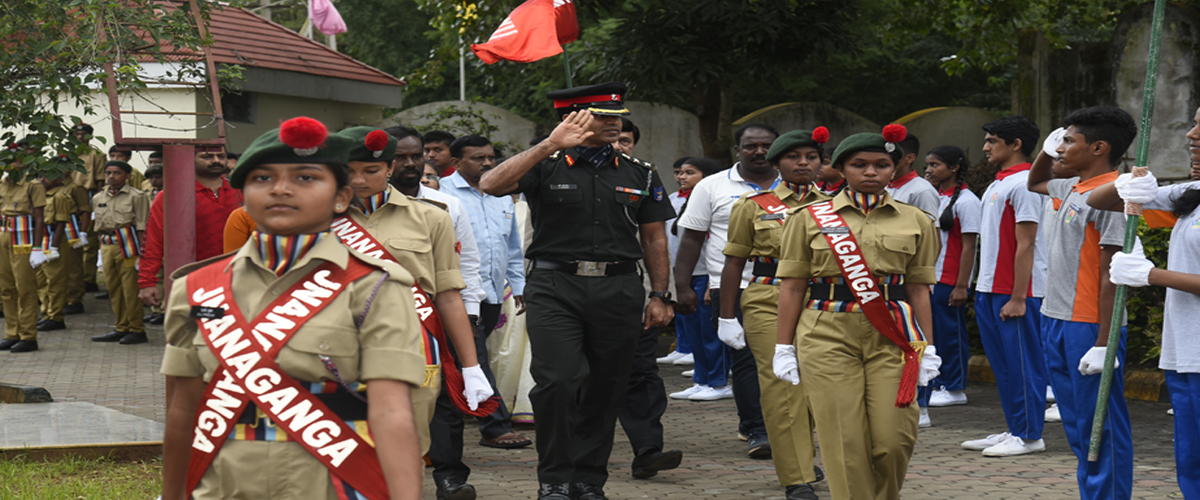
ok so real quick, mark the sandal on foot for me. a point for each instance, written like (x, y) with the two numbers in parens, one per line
(507, 441)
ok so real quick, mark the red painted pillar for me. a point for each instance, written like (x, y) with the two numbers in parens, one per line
(179, 208)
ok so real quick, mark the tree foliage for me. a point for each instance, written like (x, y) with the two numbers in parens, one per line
(54, 53)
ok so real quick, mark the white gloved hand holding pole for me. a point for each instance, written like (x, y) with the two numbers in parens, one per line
(731, 333)
(475, 386)
(1092, 362)
(930, 362)
(784, 364)
(1130, 269)
(1137, 190)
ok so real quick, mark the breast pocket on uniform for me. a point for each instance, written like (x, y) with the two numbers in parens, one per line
(763, 226)
(561, 193)
(900, 244)
(414, 245)
(631, 197)
(339, 343)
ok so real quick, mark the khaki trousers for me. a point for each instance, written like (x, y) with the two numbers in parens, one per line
(121, 276)
(851, 373)
(784, 406)
(18, 289)
(73, 259)
(52, 283)
(89, 253)
(424, 400)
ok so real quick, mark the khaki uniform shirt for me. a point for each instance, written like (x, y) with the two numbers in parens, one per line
(420, 236)
(20, 198)
(755, 233)
(128, 207)
(60, 205)
(80, 196)
(92, 178)
(895, 238)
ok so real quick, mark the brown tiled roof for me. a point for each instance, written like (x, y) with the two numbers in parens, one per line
(245, 38)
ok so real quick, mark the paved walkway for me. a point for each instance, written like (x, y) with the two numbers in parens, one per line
(125, 378)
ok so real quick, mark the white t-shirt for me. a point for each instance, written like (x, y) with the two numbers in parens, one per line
(701, 268)
(917, 192)
(708, 210)
(468, 257)
(1005, 203)
(966, 221)
(1181, 314)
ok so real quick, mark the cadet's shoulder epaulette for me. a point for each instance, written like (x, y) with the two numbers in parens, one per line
(186, 269)
(434, 203)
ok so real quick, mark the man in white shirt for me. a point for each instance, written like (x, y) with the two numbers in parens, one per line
(707, 216)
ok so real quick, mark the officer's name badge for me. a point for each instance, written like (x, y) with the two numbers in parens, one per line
(778, 216)
(632, 191)
(835, 230)
(201, 312)
(559, 187)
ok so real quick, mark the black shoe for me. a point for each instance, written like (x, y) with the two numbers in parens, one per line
(554, 491)
(155, 319)
(24, 346)
(759, 446)
(136, 338)
(76, 308)
(113, 336)
(49, 325)
(455, 488)
(90, 287)
(801, 492)
(649, 463)
(147, 318)
(586, 491)
(102, 296)
(820, 474)
(7, 344)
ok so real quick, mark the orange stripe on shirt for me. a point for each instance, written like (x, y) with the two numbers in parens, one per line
(1087, 278)
(1159, 218)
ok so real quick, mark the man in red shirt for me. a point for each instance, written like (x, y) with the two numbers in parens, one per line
(215, 200)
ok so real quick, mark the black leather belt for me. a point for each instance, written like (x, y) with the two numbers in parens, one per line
(828, 291)
(343, 404)
(765, 269)
(586, 268)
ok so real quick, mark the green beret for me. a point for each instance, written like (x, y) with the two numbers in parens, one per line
(370, 144)
(797, 139)
(299, 140)
(886, 142)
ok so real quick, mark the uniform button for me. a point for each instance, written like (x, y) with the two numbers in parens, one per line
(906, 248)
(597, 200)
(371, 225)
(596, 223)
(868, 222)
(867, 243)
(596, 176)
(324, 347)
(274, 292)
(410, 247)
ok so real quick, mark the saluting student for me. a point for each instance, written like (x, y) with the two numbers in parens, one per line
(755, 229)
(121, 212)
(866, 262)
(20, 253)
(314, 347)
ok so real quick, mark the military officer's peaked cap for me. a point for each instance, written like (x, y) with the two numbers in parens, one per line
(603, 99)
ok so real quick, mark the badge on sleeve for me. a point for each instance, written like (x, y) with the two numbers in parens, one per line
(658, 193)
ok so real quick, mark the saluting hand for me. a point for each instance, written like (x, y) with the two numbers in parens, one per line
(572, 131)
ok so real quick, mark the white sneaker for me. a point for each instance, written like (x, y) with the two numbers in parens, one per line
(712, 393)
(924, 420)
(1171, 411)
(686, 359)
(687, 392)
(942, 397)
(1014, 446)
(670, 358)
(1050, 395)
(1052, 414)
(987, 442)
(688, 373)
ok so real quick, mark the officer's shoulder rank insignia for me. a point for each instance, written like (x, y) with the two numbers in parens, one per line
(554, 155)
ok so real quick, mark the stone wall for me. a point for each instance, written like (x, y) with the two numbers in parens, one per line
(953, 126)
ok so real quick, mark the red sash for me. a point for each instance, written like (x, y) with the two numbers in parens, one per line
(246, 352)
(866, 290)
(354, 236)
(771, 203)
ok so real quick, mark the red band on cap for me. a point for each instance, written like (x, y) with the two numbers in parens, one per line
(587, 99)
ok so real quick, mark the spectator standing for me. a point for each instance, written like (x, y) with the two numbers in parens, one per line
(121, 212)
(683, 350)
(437, 151)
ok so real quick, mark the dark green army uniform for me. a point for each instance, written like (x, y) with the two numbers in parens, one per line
(584, 319)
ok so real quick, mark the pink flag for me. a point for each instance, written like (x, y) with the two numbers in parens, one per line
(325, 17)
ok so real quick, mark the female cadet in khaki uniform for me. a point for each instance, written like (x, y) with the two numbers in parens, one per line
(860, 401)
(294, 181)
(754, 234)
(20, 254)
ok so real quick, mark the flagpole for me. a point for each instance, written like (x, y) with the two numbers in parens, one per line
(462, 72)
(567, 66)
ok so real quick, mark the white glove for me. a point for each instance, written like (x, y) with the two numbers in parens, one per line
(784, 364)
(1093, 362)
(1138, 190)
(476, 386)
(930, 363)
(1053, 141)
(36, 258)
(731, 333)
(83, 241)
(52, 254)
(1130, 269)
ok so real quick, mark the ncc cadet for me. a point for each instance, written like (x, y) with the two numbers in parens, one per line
(329, 326)
(62, 242)
(755, 228)
(420, 236)
(121, 212)
(80, 221)
(867, 262)
(92, 179)
(22, 202)
(590, 205)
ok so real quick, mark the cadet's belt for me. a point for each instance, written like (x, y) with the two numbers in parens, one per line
(830, 291)
(345, 405)
(765, 267)
(586, 268)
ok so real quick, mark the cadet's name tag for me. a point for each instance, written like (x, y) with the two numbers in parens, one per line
(560, 187)
(102, 205)
(778, 216)
(835, 230)
(201, 312)
(632, 191)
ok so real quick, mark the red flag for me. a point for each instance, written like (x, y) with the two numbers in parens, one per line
(535, 30)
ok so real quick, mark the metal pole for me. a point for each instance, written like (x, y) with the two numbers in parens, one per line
(462, 72)
(1131, 228)
(567, 66)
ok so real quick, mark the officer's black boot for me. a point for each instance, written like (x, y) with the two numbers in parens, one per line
(554, 491)
(586, 491)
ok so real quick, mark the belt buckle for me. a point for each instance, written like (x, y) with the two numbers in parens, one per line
(592, 269)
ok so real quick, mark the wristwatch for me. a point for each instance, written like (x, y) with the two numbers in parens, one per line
(665, 296)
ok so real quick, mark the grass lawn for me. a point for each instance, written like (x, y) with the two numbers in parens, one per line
(79, 479)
